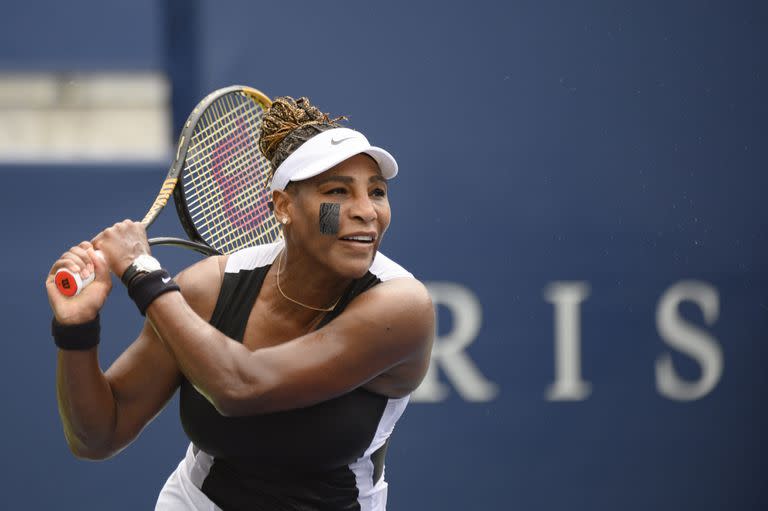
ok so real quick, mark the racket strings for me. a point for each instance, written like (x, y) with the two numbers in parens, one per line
(220, 228)
(225, 178)
(211, 132)
(232, 187)
(200, 211)
(205, 208)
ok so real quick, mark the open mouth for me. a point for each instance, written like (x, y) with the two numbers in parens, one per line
(360, 238)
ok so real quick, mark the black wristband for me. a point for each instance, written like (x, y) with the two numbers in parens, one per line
(145, 288)
(76, 337)
(128, 275)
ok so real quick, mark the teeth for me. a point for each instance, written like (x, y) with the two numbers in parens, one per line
(359, 238)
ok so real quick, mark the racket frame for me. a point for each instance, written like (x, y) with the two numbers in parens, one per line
(172, 184)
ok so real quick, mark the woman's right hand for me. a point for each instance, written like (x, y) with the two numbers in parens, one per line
(85, 306)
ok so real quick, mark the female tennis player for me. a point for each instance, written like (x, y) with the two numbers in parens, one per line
(294, 360)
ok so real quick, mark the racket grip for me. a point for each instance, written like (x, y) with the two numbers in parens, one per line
(72, 284)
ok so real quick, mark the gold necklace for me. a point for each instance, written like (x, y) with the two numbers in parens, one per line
(319, 309)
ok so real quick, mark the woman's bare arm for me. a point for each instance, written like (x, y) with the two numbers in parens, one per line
(102, 412)
(387, 326)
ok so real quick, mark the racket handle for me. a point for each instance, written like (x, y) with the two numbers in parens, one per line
(72, 284)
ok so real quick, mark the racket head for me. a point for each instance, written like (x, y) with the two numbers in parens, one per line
(223, 196)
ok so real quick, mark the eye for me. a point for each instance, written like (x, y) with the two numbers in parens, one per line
(336, 191)
(379, 192)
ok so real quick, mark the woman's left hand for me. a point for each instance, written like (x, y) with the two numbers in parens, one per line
(121, 244)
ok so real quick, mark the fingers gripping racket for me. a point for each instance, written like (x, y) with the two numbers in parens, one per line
(219, 181)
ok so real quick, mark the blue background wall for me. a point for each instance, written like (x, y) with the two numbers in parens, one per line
(620, 145)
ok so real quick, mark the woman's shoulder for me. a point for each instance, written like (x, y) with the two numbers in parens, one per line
(253, 257)
(397, 285)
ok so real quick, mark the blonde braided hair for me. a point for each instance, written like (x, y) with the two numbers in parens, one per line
(289, 123)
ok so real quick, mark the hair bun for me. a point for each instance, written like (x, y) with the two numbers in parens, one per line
(296, 118)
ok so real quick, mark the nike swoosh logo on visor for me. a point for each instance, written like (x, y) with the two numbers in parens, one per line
(336, 141)
(166, 280)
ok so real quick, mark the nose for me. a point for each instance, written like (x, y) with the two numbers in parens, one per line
(362, 208)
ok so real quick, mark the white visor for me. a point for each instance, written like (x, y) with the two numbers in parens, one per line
(326, 150)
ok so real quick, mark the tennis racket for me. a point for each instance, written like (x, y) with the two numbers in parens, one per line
(219, 181)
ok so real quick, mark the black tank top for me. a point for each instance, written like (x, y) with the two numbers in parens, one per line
(300, 459)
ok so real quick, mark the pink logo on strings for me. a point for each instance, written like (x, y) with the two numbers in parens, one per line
(235, 171)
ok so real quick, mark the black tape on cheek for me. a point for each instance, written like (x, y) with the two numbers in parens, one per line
(329, 218)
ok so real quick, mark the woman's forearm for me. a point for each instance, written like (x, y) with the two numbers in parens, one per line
(86, 404)
(210, 360)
